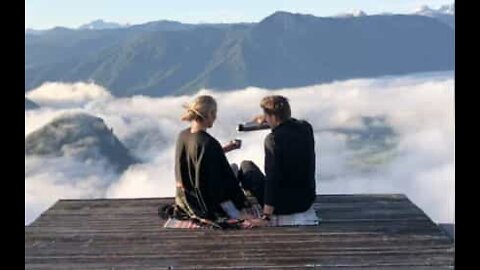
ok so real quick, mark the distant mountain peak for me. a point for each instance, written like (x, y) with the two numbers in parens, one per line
(101, 24)
(286, 18)
(359, 13)
(353, 13)
(281, 13)
(428, 11)
(285, 15)
(445, 13)
(81, 136)
(448, 9)
(423, 9)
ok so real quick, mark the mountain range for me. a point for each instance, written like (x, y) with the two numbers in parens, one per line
(283, 50)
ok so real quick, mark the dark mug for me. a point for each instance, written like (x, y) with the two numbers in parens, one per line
(237, 143)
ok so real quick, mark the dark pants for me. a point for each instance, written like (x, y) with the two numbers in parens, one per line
(252, 180)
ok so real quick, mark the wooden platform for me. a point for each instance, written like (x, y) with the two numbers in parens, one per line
(358, 232)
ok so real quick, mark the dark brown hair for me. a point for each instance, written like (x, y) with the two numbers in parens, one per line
(276, 105)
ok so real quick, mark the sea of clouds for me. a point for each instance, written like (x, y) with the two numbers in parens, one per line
(418, 160)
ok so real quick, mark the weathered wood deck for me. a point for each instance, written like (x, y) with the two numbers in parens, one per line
(382, 232)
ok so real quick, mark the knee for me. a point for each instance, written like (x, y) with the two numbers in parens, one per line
(247, 165)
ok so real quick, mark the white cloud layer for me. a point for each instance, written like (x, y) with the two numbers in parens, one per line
(67, 95)
(419, 161)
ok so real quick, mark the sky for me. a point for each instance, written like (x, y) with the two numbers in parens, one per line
(417, 159)
(44, 14)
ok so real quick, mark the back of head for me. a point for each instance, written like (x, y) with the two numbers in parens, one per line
(199, 109)
(276, 105)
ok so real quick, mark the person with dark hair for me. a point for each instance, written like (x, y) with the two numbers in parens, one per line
(288, 185)
(207, 189)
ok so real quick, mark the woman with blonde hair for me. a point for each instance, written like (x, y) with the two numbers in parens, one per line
(207, 189)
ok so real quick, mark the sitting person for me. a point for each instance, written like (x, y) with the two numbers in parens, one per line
(289, 184)
(207, 189)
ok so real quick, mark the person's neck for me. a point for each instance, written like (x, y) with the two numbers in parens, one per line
(197, 127)
(278, 123)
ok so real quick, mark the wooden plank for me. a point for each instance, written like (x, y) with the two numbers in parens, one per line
(364, 260)
(286, 267)
(374, 231)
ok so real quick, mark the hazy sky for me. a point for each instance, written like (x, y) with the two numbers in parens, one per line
(42, 14)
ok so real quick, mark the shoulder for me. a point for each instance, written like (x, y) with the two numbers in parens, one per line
(307, 125)
(206, 140)
(303, 124)
(183, 133)
(199, 138)
(182, 136)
